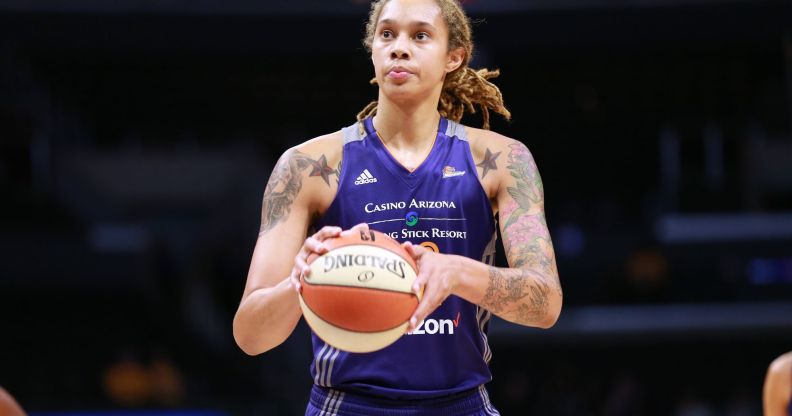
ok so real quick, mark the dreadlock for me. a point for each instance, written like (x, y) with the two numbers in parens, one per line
(464, 88)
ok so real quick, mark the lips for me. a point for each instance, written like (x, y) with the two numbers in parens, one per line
(399, 72)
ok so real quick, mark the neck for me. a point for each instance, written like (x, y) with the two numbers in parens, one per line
(406, 126)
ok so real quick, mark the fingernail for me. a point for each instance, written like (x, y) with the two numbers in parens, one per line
(412, 322)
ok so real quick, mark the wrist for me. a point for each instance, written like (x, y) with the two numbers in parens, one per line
(472, 279)
(460, 268)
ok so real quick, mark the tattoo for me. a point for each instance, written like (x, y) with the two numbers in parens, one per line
(528, 189)
(285, 183)
(522, 293)
(489, 162)
(517, 294)
(320, 168)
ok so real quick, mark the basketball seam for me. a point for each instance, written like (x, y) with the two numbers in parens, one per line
(361, 287)
(351, 330)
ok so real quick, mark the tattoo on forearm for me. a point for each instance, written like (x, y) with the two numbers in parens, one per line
(286, 182)
(523, 292)
(488, 163)
(517, 294)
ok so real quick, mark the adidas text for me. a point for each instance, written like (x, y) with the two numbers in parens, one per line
(365, 177)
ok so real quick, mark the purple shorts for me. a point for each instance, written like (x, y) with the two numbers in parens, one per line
(332, 402)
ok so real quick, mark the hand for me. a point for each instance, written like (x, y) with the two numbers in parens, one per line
(435, 280)
(313, 244)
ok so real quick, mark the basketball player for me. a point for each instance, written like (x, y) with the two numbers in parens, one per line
(409, 169)
(778, 387)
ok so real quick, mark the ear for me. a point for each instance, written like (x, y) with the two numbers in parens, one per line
(455, 58)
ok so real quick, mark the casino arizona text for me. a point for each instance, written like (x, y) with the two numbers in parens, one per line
(387, 206)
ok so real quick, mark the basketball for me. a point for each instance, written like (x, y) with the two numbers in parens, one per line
(358, 296)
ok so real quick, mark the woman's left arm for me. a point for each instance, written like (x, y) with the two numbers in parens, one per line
(529, 291)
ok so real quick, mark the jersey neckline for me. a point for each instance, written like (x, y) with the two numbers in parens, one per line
(410, 178)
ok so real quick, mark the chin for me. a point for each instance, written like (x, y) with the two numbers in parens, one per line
(402, 93)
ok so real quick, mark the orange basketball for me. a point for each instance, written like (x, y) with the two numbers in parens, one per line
(358, 296)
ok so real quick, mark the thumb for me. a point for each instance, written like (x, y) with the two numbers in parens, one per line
(416, 252)
(411, 250)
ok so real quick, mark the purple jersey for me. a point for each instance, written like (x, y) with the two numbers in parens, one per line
(441, 205)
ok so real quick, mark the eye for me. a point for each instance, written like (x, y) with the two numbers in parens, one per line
(387, 34)
(422, 36)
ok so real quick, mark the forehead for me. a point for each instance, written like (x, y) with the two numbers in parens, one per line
(412, 11)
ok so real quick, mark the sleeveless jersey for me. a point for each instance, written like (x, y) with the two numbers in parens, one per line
(442, 206)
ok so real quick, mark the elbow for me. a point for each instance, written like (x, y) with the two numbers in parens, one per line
(549, 321)
(552, 315)
(245, 341)
(248, 348)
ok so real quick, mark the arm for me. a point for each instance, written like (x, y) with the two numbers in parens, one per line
(529, 292)
(270, 309)
(778, 386)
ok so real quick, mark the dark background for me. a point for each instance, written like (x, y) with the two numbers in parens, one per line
(136, 139)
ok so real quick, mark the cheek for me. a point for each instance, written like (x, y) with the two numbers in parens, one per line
(376, 61)
(437, 67)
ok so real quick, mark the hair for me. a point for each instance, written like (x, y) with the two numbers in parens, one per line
(464, 88)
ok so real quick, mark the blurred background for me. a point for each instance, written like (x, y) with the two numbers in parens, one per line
(136, 138)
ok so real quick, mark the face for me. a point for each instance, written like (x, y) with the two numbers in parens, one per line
(410, 50)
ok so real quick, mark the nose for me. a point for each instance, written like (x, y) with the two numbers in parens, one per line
(401, 48)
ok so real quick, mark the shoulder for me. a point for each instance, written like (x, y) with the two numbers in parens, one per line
(499, 159)
(322, 154)
(782, 365)
(328, 146)
(483, 142)
(308, 173)
(9, 406)
(778, 385)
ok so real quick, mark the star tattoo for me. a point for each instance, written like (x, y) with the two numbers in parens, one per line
(320, 168)
(488, 163)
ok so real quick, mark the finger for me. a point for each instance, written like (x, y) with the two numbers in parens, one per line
(419, 285)
(314, 245)
(428, 304)
(327, 232)
(294, 279)
(299, 266)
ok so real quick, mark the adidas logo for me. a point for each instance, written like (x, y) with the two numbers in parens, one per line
(365, 177)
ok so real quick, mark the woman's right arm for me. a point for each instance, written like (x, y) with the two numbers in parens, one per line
(270, 308)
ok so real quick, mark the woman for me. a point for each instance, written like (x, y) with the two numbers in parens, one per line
(407, 168)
